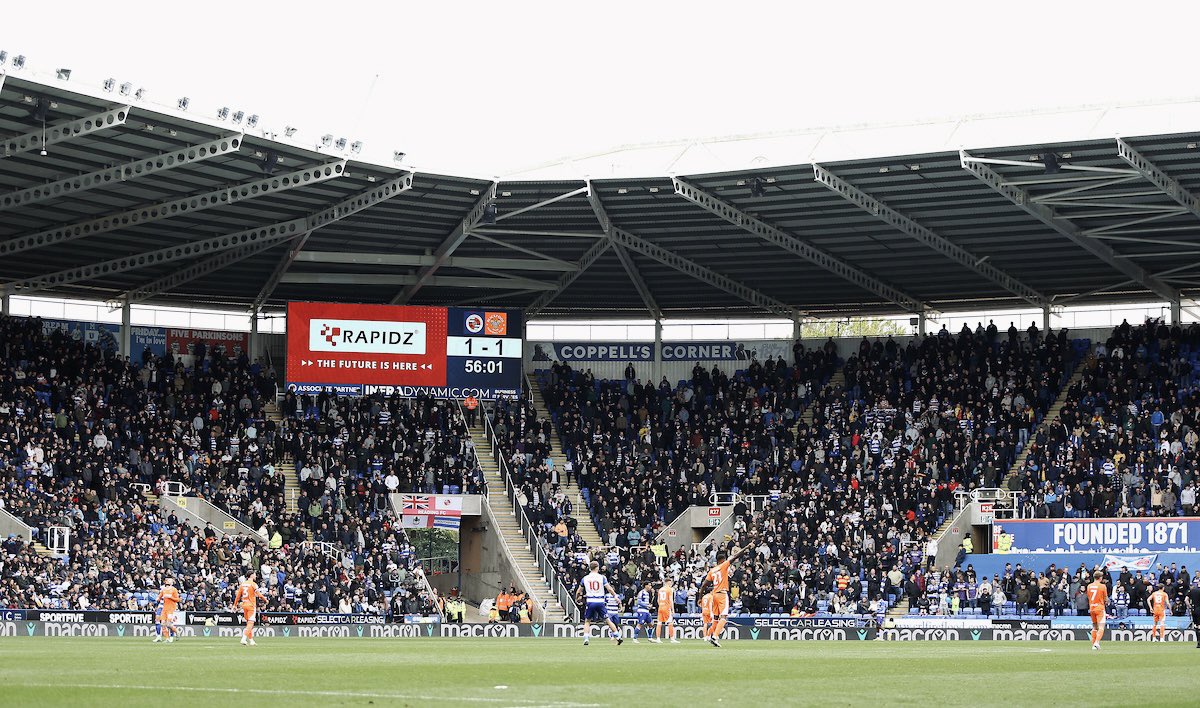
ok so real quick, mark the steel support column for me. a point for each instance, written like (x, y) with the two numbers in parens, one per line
(126, 328)
(1176, 312)
(175, 207)
(1050, 218)
(937, 242)
(774, 235)
(451, 243)
(5, 297)
(255, 347)
(121, 173)
(922, 322)
(658, 361)
(61, 133)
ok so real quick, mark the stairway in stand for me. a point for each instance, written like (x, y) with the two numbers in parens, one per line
(1051, 415)
(287, 467)
(509, 529)
(587, 528)
(837, 383)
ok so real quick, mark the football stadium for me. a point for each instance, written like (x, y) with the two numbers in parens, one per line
(902, 412)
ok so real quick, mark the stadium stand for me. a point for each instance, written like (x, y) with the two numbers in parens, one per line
(1125, 442)
(85, 436)
(861, 482)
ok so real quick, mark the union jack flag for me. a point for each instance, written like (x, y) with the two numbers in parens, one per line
(414, 503)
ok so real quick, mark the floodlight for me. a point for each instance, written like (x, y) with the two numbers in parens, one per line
(489, 214)
(289, 131)
(238, 116)
(326, 140)
(340, 144)
(223, 113)
(356, 147)
(183, 103)
(110, 84)
(63, 74)
(19, 61)
(252, 120)
(398, 156)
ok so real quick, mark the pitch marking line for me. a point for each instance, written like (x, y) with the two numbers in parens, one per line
(293, 692)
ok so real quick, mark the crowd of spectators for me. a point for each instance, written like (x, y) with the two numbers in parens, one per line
(71, 410)
(847, 502)
(1125, 441)
(84, 433)
(1052, 592)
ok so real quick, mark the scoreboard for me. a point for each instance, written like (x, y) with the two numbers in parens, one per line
(406, 350)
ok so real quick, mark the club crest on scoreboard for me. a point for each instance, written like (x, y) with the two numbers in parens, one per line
(473, 322)
(495, 324)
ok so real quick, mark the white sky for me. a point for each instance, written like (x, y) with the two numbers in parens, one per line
(487, 88)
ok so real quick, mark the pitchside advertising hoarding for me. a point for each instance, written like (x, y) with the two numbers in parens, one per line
(796, 632)
(1181, 534)
(403, 350)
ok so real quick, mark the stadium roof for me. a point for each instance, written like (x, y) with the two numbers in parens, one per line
(133, 200)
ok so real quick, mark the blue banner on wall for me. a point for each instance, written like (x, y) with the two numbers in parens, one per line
(101, 334)
(1103, 535)
(143, 338)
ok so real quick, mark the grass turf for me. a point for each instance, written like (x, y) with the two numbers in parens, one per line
(44, 671)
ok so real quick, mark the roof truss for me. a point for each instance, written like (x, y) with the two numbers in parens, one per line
(788, 242)
(1042, 209)
(61, 133)
(121, 173)
(449, 244)
(175, 207)
(273, 233)
(635, 276)
(942, 245)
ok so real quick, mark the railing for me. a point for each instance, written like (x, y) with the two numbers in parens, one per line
(428, 590)
(549, 572)
(440, 565)
(475, 453)
(58, 540)
(723, 498)
(326, 548)
(174, 489)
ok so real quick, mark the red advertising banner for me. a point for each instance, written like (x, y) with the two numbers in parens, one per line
(366, 344)
(182, 341)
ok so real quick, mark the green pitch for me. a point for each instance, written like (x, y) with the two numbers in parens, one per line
(558, 672)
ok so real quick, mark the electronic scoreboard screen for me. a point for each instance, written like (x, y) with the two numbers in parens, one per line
(406, 350)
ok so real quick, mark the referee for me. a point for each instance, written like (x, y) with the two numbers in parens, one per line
(1193, 604)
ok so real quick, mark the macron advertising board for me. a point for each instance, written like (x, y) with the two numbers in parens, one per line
(361, 350)
(1179, 534)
